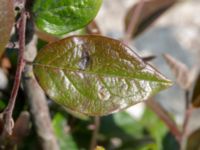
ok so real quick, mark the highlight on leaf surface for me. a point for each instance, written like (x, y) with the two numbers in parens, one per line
(95, 75)
(6, 22)
(63, 16)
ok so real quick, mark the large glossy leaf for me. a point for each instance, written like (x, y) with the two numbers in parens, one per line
(95, 75)
(6, 22)
(59, 17)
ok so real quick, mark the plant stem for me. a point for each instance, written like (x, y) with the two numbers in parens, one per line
(134, 22)
(95, 133)
(188, 112)
(20, 66)
(39, 110)
(186, 119)
(163, 115)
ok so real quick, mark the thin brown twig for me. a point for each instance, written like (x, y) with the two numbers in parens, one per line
(20, 66)
(187, 99)
(188, 112)
(186, 120)
(95, 133)
(134, 22)
(163, 115)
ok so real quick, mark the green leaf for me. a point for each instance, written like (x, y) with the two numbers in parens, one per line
(77, 114)
(65, 139)
(155, 126)
(123, 132)
(6, 22)
(95, 75)
(59, 17)
(2, 105)
(128, 124)
(170, 142)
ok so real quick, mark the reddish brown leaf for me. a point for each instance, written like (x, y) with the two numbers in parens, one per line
(196, 93)
(6, 22)
(5, 64)
(180, 71)
(193, 141)
(151, 10)
(95, 75)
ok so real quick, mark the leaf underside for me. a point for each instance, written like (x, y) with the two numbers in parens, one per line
(95, 75)
(63, 16)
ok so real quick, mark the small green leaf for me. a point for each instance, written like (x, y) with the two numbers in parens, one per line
(65, 139)
(95, 75)
(59, 17)
(169, 142)
(121, 131)
(155, 126)
(128, 124)
(2, 105)
(6, 22)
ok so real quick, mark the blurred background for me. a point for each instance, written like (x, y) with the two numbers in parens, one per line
(176, 32)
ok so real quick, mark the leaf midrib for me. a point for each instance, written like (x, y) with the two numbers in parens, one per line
(97, 74)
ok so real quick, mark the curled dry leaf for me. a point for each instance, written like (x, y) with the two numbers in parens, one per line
(95, 75)
(6, 22)
(151, 10)
(180, 71)
(196, 92)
